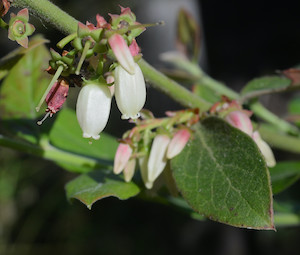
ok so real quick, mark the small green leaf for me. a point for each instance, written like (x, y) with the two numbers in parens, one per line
(67, 135)
(91, 187)
(284, 174)
(264, 85)
(222, 175)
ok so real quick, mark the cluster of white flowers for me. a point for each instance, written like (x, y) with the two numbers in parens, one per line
(162, 149)
(94, 100)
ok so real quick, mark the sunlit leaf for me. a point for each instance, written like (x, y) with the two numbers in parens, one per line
(91, 187)
(222, 175)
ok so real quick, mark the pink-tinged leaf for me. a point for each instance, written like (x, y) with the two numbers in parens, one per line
(122, 52)
(178, 143)
(123, 154)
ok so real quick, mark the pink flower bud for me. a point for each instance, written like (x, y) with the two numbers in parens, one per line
(240, 120)
(157, 159)
(122, 156)
(129, 170)
(178, 142)
(122, 52)
(130, 92)
(134, 48)
(265, 149)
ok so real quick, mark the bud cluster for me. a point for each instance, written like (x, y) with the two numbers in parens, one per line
(239, 118)
(152, 142)
(103, 59)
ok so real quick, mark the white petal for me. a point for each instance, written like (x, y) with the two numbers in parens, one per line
(92, 109)
(157, 159)
(130, 92)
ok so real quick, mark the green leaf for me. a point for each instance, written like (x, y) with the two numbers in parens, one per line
(294, 106)
(287, 213)
(8, 61)
(284, 174)
(24, 85)
(265, 85)
(91, 187)
(222, 175)
(67, 135)
(21, 91)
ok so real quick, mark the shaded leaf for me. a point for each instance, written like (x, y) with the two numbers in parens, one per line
(67, 135)
(188, 35)
(91, 187)
(284, 174)
(265, 85)
(222, 175)
(8, 61)
(21, 91)
(24, 85)
(294, 106)
(286, 213)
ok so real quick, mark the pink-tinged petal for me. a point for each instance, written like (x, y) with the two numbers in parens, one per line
(122, 52)
(57, 95)
(127, 12)
(240, 120)
(157, 159)
(110, 79)
(265, 149)
(134, 48)
(101, 22)
(129, 170)
(24, 14)
(122, 156)
(178, 142)
(23, 42)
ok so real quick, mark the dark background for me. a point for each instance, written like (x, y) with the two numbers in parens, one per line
(241, 40)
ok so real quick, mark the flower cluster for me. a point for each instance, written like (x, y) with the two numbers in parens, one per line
(239, 118)
(152, 143)
(104, 56)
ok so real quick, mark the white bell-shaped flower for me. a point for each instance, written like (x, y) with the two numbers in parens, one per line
(92, 109)
(130, 91)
